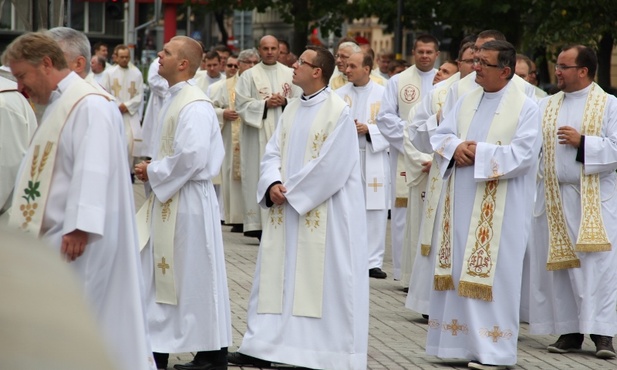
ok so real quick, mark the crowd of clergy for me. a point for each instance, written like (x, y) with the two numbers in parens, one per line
(499, 196)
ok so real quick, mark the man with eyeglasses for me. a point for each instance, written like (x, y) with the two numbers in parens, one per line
(403, 92)
(486, 149)
(575, 239)
(343, 53)
(524, 67)
(364, 96)
(262, 93)
(309, 302)
(469, 83)
(223, 97)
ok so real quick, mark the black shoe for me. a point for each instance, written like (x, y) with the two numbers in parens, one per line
(253, 234)
(377, 273)
(240, 359)
(425, 316)
(200, 366)
(567, 343)
(405, 289)
(161, 359)
(237, 228)
(604, 346)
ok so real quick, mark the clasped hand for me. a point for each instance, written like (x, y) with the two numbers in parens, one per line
(465, 154)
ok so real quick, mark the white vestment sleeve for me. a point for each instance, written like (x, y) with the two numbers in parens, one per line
(601, 152)
(516, 158)
(422, 125)
(191, 143)
(251, 110)
(216, 93)
(325, 175)
(388, 120)
(414, 160)
(88, 188)
(445, 141)
(158, 85)
(270, 170)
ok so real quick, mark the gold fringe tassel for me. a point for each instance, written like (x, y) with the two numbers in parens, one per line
(425, 249)
(443, 282)
(475, 291)
(400, 202)
(563, 265)
(588, 247)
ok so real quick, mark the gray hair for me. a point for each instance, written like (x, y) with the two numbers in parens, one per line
(350, 45)
(73, 43)
(247, 53)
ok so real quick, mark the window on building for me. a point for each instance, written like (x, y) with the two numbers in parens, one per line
(88, 17)
(9, 19)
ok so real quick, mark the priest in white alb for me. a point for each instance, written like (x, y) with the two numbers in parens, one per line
(125, 82)
(573, 250)
(309, 301)
(427, 114)
(487, 148)
(17, 125)
(262, 93)
(159, 91)
(223, 95)
(74, 192)
(403, 92)
(363, 96)
(179, 225)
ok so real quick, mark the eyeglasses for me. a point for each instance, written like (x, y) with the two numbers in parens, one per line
(230, 65)
(484, 64)
(336, 56)
(253, 62)
(466, 61)
(563, 67)
(302, 61)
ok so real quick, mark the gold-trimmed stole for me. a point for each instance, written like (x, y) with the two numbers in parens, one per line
(482, 245)
(312, 227)
(592, 236)
(156, 220)
(235, 129)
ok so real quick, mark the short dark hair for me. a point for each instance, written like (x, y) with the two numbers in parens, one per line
(463, 49)
(506, 56)
(586, 58)
(222, 48)
(367, 60)
(426, 39)
(285, 43)
(212, 55)
(98, 45)
(394, 64)
(324, 60)
(492, 34)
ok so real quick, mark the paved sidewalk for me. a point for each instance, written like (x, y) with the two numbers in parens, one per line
(397, 335)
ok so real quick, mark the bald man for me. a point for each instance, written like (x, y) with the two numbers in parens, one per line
(183, 262)
(262, 93)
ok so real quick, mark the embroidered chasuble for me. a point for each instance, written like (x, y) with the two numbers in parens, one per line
(592, 235)
(30, 198)
(482, 244)
(157, 219)
(311, 272)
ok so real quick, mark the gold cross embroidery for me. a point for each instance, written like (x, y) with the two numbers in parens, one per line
(454, 327)
(375, 185)
(163, 265)
(132, 90)
(496, 334)
(116, 87)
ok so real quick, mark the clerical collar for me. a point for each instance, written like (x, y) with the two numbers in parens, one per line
(309, 97)
(579, 93)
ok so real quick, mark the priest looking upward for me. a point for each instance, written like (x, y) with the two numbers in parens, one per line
(309, 301)
(363, 96)
(262, 93)
(73, 191)
(183, 260)
(487, 151)
(125, 82)
(573, 274)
